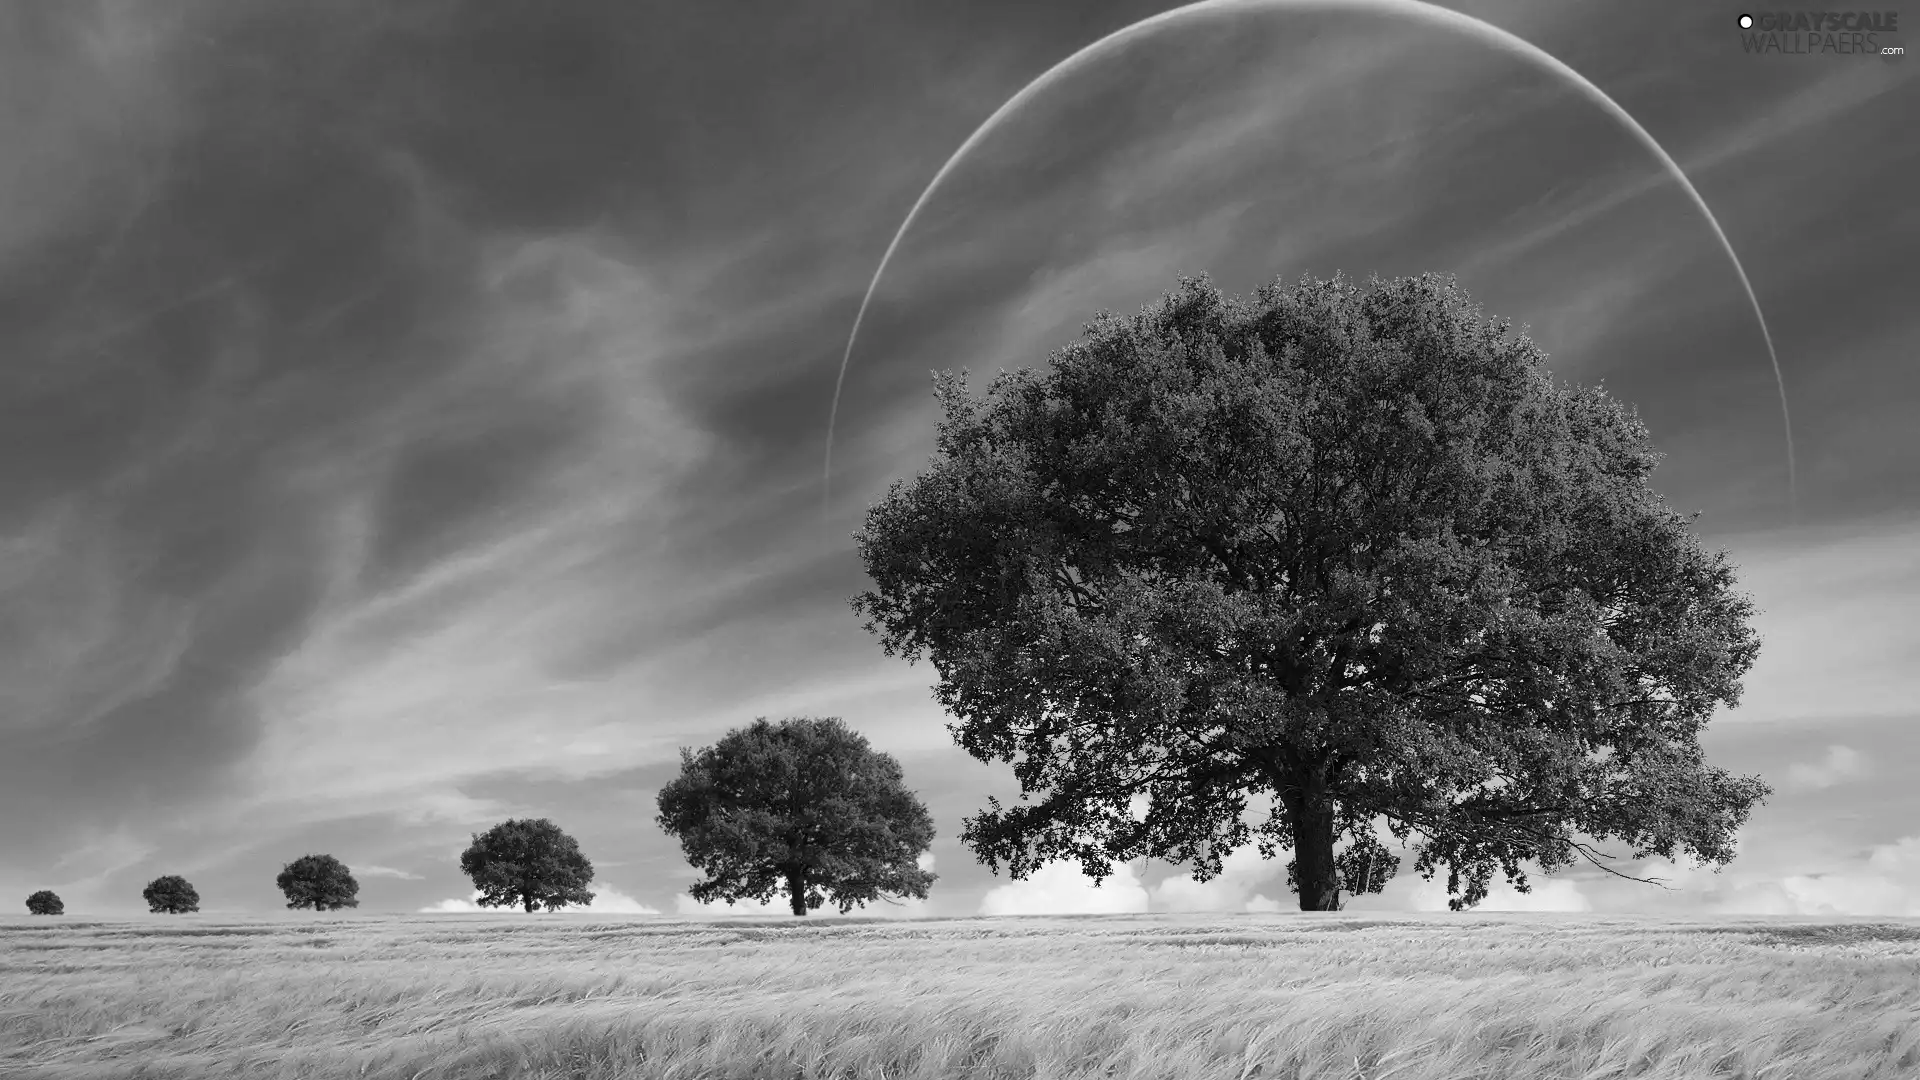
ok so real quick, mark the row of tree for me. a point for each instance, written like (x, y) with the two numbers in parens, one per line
(1353, 549)
(806, 807)
(169, 894)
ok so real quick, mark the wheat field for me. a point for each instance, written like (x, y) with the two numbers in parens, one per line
(1336, 997)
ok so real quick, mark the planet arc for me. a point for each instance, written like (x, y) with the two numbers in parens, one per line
(1431, 14)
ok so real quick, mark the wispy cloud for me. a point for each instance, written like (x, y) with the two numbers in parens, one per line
(1834, 93)
(446, 667)
(103, 71)
(1841, 763)
(367, 870)
(1836, 638)
(83, 643)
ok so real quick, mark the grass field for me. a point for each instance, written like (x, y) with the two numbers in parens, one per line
(1337, 997)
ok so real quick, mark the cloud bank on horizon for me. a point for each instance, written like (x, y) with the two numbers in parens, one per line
(412, 417)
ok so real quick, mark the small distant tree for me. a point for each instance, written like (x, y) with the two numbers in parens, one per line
(45, 902)
(318, 882)
(806, 807)
(531, 863)
(171, 895)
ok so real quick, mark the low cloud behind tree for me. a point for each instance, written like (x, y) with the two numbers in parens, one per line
(319, 883)
(531, 863)
(1352, 548)
(805, 807)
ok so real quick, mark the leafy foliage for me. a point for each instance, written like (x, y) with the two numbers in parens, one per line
(318, 882)
(807, 807)
(45, 902)
(1354, 549)
(530, 863)
(171, 895)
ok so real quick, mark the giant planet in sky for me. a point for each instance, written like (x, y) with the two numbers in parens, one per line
(1259, 139)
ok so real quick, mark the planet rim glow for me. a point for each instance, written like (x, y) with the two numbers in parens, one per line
(1441, 17)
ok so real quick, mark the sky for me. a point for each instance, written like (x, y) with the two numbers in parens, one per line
(413, 416)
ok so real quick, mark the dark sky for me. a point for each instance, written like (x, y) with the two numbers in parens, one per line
(412, 415)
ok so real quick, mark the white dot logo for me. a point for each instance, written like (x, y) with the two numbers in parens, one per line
(1746, 22)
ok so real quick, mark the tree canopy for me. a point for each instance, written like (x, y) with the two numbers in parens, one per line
(1354, 549)
(318, 882)
(45, 902)
(531, 863)
(807, 807)
(170, 895)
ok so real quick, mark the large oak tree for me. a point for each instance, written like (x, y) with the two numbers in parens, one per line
(1355, 549)
(806, 807)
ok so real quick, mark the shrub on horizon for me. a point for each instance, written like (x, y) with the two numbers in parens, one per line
(45, 902)
(807, 808)
(171, 895)
(531, 863)
(319, 882)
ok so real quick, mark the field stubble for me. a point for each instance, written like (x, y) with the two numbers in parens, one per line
(1277, 997)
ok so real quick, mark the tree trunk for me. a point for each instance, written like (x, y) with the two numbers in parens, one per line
(1311, 811)
(797, 890)
(530, 903)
